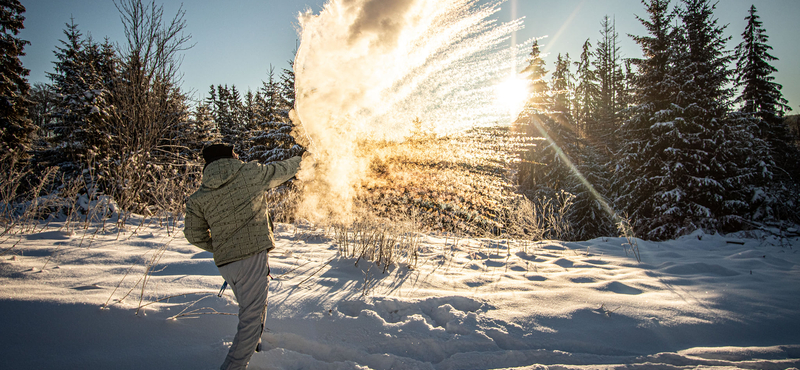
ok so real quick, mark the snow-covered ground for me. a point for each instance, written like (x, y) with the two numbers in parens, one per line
(702, 301)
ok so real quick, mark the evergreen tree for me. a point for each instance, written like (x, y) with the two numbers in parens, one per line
(710, 142)
(15, 126)
(83, 75)
(272, 140)
(287, 90)
(546, 170)
(641, 163)
(586, 91)
(250, 112)
(236, 107)
(562, 90)
(760, 95)
(627, 89)
(43, 100)
(590, 214)
(587, 177)
(608, 74)
(774, 195)
(536, 72)
(207, 129)
(272, 103)
(224, 109)
(685, 164)
(537, 106)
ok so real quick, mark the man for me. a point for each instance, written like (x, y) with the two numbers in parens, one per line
(228, 216)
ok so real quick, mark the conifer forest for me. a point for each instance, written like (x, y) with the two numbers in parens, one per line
(694, 134)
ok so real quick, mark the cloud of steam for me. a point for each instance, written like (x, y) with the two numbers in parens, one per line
(368, 68)
(381, 20)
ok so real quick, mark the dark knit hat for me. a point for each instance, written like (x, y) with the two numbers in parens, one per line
(217, 151)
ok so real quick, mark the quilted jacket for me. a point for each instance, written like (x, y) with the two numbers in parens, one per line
(228, 216)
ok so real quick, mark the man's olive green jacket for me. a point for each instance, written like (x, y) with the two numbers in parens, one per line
(229, 216)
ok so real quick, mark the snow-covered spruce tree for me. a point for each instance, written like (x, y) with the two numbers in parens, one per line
(198, 131)
(589, 215)
(287, 86)
(207, 129)
(15, 126)
(586, 90)
(643, 161)
(774, 196)
(539, 99)
(250, 112)
(271, 105)
(43, 100)
(227, 108)
(272, 141)
(728, 156)
(237, 121)
(562, 91)
(538, 104)
(546, 172)
(678, 170)
(608, 76)
(84, 73)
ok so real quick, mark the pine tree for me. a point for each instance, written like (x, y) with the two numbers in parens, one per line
(272, 141)
(272, 102)
(587, 177)
(287, 89)
(760, 95)
(237, 112)
(225, 108)
(206, 127)
(686, 163)
(607, 72)
(641, 163)
(590, 214)
(546, 170)
(250, 113)
(714, 166)
(586, 91)
(15, 126)
(538, 104)
(562, 91)
(84, 73)
(43, 100)
(775, 191)
(535, 72)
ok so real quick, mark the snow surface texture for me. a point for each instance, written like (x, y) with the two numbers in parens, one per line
(696, 302)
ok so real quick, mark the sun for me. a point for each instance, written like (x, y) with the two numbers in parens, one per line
(511, 95)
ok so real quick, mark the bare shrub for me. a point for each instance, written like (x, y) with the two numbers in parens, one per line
(522, 220)
(381, 241)
(282, 202)
(625, 228)
(21, 203)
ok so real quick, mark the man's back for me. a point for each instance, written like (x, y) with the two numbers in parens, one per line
(228, 215)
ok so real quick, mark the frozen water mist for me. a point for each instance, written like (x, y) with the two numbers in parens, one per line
(365, 69)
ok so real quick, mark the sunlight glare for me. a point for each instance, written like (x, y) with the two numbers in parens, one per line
(511, 95)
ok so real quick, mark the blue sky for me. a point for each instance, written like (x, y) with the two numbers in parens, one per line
(235, 41)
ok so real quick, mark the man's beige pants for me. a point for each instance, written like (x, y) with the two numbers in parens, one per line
(249, 281)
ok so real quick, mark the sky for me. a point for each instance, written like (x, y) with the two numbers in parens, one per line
(235, 42)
